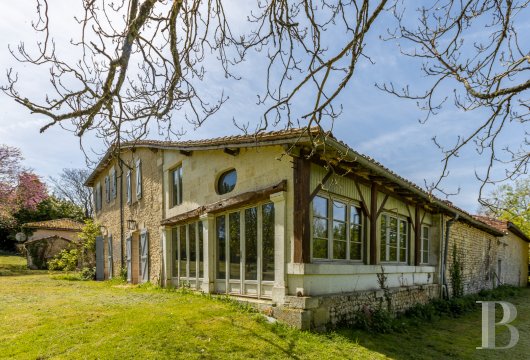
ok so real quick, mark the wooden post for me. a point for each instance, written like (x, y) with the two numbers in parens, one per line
(301, 221)
(373, 223)
(417, 236)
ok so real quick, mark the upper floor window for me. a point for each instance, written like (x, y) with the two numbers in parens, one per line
(176, 179)
(394, 239)
(337, 230)
(227, 182)
(425, 239)
(138, 179)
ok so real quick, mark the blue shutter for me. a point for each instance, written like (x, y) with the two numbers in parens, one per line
(109, 256)
(114, 184)
(144, 256)
(100, 261)
(128, 249)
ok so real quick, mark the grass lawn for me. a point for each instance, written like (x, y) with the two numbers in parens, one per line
(42, 318)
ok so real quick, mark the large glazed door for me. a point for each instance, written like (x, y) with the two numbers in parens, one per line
(128, 249)
(100, 261)
(144, 256)
(109, 256)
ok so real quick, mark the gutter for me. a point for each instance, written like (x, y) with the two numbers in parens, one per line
(448, 224)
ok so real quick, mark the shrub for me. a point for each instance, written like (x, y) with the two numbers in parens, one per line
(66, 260)
(88, 273)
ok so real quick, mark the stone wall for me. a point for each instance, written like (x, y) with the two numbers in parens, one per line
(329, 311)
(476, 250)
(146, 211)
(513, 255)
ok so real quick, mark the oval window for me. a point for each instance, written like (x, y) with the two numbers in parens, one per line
(227, 182)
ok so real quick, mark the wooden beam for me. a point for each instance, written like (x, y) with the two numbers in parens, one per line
(233, 152)
(417, 237)
(186, 152)
(373, 223)
(382, 206)
(363, 202)
(319, 186)
(301, 220)
(228, 204)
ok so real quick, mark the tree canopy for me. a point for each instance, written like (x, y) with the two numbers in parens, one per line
(140, 61)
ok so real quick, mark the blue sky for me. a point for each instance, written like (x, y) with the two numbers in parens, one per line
(374, 123)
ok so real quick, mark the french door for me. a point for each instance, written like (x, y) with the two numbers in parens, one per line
(244, 251)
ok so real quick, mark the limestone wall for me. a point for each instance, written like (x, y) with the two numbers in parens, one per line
(513, 256)
(329, 311)
(476, 251)
(146, 211)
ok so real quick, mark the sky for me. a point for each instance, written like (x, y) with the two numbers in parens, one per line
(372, 122)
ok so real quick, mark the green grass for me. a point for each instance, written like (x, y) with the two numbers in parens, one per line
(42, 317)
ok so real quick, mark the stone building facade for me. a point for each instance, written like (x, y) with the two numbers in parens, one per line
(49, 238)
(294, 221)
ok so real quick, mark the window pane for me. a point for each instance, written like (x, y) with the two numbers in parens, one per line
(175, 248)
(384, 239)
(193, 250)
(227, 182)
(393, 254)
(425, 257)
(235, 246)
(339, 230)
(355, 215)
(177, 185)
(425, 232)
(268, 242)
(221, 243)
(320, 207)
(251, 244)
(183, 252)
(320, 248)
(339, 249)
(339, 211)
(355, 243)
(356, 251)
(320, 227)
(201, 251)
(392, 237)
(403, 255)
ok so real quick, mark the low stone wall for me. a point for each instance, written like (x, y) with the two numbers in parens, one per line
(328, 311)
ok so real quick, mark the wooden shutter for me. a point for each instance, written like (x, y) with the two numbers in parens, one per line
(138, 179)
(107, 189)
(128, 249)
(144, 256)
(100, 261)
(129, 192)
(114, 183)
(109, 256)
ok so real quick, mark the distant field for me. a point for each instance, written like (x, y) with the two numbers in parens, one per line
(44, 318)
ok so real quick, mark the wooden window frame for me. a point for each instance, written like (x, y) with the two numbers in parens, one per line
(349, 203)
(398, 248)
(424, 251)
(180, 192)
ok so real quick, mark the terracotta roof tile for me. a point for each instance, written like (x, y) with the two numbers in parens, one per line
(57, 224)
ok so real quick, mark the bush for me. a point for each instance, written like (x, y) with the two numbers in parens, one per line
(377, 321)
(88, 273)
(66, 260)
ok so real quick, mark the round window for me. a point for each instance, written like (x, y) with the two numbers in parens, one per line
(227, 182)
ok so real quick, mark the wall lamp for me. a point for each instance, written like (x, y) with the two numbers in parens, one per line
(131, 224)
(103, 230)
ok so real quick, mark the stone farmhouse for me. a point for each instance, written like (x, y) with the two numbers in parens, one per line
(294, 221)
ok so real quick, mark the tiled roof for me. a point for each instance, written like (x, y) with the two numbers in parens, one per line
(57, 224)
(281, 137)
(500, 225)
(503, 226)
(301, 136)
